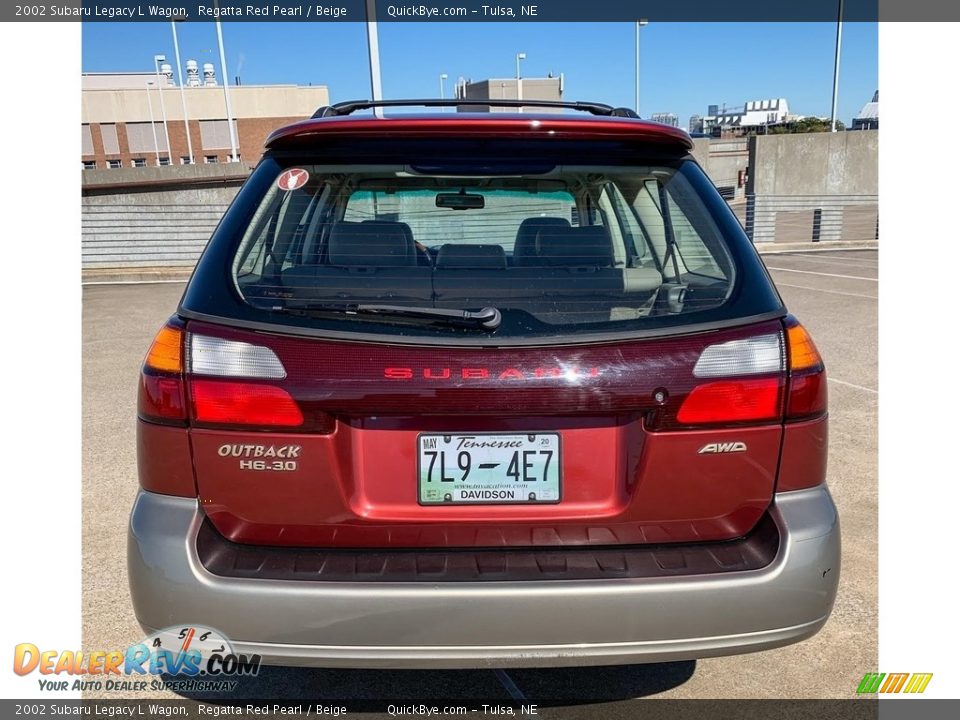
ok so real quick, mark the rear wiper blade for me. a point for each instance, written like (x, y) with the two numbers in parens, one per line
(487, 318)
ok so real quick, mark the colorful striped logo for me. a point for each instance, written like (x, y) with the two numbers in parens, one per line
(894, 683)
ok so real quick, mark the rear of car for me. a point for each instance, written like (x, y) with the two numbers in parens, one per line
(453, 391)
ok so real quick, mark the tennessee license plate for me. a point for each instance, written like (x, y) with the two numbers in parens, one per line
(488, 468)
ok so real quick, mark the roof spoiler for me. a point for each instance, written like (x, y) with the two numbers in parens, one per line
(351, 106)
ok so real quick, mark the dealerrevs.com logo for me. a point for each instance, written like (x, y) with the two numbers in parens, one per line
(181, 658)
(910, 683)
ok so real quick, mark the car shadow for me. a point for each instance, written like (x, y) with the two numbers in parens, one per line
(541, 686)
(581, 685)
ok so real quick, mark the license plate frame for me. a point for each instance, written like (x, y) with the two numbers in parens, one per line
(549, 487)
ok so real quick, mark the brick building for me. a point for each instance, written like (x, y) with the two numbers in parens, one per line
(122, 119)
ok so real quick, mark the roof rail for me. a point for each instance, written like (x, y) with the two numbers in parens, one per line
(351, 106)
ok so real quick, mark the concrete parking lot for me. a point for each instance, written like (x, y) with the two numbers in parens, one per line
(833, 293)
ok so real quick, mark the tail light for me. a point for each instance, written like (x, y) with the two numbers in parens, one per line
(732, 401)
(744, 383)
(807, 393)
(239, 403)
(212, 382)
(161, 398)
(774, 377)
(234, 384)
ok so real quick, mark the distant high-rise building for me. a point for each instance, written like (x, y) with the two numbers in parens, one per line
(666, 119)
(695, 125)
(752, 115)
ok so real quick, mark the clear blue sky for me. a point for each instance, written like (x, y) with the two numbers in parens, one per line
(684, 66)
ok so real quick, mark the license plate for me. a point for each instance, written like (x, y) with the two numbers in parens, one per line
(488, 468)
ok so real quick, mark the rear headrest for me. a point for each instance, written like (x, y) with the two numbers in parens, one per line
(371, 244)
(488, 257)
(525, 247)
(574, 247)
(392, 225)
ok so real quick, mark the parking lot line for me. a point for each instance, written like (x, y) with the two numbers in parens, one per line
(182, 281)
(853, 385)
(811, 272)
(832, 292)
(823, 258)
(850, 257)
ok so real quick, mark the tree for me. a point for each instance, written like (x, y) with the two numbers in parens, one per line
(805, 125)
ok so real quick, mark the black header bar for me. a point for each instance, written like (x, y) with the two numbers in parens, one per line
(483, 11)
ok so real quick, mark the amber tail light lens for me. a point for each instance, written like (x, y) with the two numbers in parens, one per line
(161, 396)
(807, 376)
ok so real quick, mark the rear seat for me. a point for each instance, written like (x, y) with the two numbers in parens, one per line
(590, 249)
(588, 246)
(525, 246)
(472, 274)
(422, 257)
(471, 257)
(563, 266)
(365, 261)
(377, 261)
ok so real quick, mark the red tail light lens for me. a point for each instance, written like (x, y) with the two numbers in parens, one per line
(732, 401)
(808, 396)
(161, 396)
(807, 390)
(239, 403)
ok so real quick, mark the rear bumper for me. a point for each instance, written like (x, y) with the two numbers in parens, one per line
(505, 624)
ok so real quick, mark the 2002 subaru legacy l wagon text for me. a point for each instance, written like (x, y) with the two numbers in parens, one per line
(483, 389)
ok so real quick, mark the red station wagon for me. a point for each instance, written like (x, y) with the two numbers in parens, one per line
(483, 389)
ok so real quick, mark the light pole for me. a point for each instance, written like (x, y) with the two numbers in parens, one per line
(443, 76)
(520, 56)
(226, 88)
(157, 59)
(373, 51)
(640, 24)
(836, 70)
(183, 96)
(153, 124)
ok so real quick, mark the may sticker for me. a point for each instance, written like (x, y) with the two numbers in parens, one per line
(292, 179)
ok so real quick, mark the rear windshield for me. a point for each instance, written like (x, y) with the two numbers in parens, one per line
(559, 250)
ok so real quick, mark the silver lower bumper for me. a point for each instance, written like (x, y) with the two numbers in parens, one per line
(504, 624)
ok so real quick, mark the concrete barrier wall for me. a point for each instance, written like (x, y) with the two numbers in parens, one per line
(147, 229)
(722, 161)
(813, 187)
(842, 163)
(159, 217)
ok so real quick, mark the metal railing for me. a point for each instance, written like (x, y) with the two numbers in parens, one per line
(809, 218)
(129, 236)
